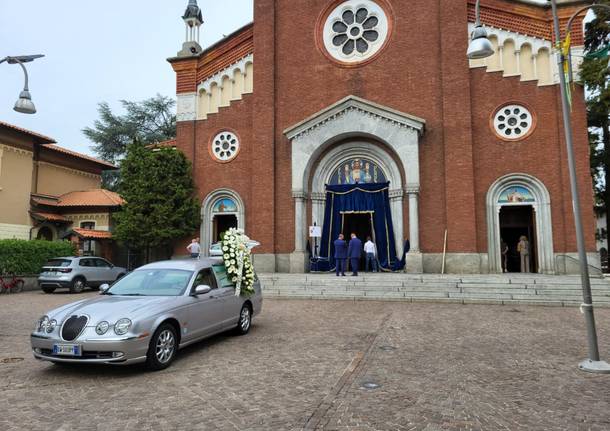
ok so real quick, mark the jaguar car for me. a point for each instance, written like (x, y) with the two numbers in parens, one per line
(147, 316)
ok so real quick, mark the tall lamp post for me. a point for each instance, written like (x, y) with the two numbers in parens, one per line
(478, 48)
(24, 104)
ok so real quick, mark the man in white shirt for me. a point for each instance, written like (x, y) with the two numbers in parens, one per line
(371, 255)
(194, 248)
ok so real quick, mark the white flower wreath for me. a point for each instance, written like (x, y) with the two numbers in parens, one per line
(238, 261)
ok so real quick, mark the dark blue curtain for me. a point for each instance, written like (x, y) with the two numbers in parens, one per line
(347, 198)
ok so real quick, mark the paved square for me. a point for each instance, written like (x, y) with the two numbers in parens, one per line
(304, 364)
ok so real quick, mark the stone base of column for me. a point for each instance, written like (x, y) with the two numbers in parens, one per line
(415, 263)
(298, 262)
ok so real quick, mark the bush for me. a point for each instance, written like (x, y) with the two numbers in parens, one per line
(23, 257)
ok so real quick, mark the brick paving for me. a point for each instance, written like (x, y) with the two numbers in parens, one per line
(303, 366)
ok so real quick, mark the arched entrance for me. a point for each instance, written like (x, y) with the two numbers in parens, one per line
(356, 187)
(353, 118)
(518, 205)
(221, 210)
(45, 233)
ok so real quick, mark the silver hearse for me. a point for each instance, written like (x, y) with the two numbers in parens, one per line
(147, 316)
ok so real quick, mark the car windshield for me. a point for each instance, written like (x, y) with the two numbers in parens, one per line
(58, 262)
(152, 282)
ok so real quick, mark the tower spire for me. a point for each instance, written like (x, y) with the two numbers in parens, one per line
(193, 20)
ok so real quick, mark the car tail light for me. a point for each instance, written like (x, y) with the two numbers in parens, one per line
(65, 270)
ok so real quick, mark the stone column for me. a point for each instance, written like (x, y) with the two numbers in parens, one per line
(396, 200)
(297, 258)
(414, 257)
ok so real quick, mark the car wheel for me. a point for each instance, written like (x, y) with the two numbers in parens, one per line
(162, 347)
(245, 320)
(47, 289)
(77, 286)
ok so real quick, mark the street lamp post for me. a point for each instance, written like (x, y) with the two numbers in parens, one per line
(24, 104)
(593, 364)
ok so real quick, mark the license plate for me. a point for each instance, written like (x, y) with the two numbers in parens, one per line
(49, 273)
(67, 350)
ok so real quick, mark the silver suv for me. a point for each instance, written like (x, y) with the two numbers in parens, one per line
(76, 273)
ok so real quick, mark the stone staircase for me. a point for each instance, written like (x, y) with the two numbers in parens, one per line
(510, 289)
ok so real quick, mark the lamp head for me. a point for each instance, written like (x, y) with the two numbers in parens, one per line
(25, 104)
(479, 46)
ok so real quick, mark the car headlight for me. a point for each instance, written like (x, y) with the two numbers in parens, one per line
(102, 327)
(43, 323)
(122, 326)
(51, 326)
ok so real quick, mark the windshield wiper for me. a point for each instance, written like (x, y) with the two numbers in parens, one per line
(107, 293)
(132, 294)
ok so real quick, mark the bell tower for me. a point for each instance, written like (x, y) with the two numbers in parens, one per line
(192, 19)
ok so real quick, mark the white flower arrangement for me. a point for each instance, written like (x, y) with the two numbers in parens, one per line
(238, 261)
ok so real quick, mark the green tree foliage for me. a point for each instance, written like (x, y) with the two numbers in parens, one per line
(159, 193)
(594, 74)
(24, 257)
(151, 120)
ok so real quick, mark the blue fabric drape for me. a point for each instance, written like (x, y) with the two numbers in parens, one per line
(358, 198)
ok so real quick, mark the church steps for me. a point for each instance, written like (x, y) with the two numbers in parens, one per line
(506, 289)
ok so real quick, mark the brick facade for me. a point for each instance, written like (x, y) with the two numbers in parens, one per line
(423, 71)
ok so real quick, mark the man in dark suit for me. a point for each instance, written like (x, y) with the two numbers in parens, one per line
(340, 254)
(354, 251)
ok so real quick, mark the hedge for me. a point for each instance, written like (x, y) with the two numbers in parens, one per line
(23, 257)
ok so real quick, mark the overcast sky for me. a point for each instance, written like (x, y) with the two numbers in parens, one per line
(96, 50)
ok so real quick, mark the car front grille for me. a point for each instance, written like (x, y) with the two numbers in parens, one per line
(73, 326)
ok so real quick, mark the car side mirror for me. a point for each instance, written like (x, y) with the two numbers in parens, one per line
(202, 289)
(104, 287)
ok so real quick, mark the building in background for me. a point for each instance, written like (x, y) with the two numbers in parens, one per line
(49, 192)
(366, 116)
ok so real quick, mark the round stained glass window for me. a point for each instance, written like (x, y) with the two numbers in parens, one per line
(355, 31)
(225, 146)
(513, 122)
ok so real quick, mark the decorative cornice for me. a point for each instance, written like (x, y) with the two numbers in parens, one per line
(357, 104)
(218, 76)
(396, 193)
(72, 171)
(412, 190)
(16, 150)
(317, 196)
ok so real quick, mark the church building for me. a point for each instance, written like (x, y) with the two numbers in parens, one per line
(366, 116)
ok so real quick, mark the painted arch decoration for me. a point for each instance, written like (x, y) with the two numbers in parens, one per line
(357, 170)
(224, 205)
(516, 194)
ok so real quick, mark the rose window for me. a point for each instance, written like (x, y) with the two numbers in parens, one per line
(355, 30)
(513, 122)
(225, 146)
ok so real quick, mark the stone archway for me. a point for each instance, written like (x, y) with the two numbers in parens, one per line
(359, 149)
(541, 205)
(208, 213)
(354, 118)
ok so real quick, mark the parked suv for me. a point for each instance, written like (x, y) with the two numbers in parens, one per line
(76, 273)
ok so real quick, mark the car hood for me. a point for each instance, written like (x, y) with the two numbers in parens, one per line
(110, 308)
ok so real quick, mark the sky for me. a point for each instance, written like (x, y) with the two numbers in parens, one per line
(97, 50)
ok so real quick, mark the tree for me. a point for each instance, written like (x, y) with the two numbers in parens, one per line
(158, 190)
(594, 74)
(151, 120)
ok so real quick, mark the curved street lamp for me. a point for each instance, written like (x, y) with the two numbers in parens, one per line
(478, 48)
(24, 104)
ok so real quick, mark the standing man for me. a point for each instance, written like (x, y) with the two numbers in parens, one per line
(340, 255)
(194, 248)
(371, 255)
(523, 247)
(354, 251)
(504, 250)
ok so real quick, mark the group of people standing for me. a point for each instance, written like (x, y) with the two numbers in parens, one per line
(353, 252)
